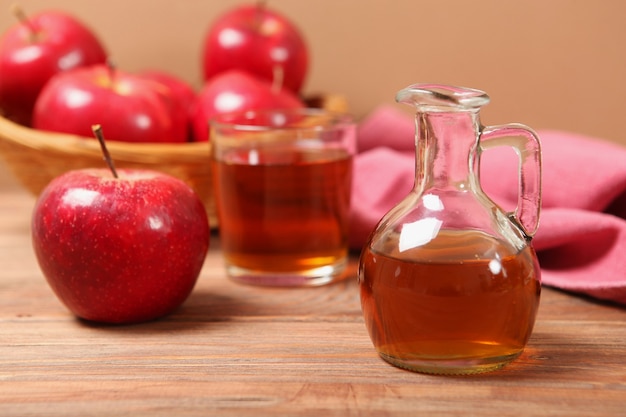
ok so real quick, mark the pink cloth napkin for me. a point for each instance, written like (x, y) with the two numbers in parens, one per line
(581, 241)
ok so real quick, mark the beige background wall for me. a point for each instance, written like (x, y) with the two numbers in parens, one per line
(547, 63)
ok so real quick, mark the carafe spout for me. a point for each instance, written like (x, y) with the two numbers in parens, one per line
(438, 97)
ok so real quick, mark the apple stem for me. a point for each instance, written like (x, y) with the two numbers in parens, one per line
(97, 131)
(22, 17)
(278, 78)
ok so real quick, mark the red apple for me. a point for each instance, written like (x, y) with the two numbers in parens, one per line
(261, 41)
(35, 49)
(122, 249)
(237, 91)
(183, 95)
(132, 108)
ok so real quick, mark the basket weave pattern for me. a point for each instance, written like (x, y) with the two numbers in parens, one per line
(36, 157)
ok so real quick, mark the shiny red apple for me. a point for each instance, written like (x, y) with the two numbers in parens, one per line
(132, 108)
(34, 50)
(237, 91)
(183, 95)
(259, 40)
(120, 248)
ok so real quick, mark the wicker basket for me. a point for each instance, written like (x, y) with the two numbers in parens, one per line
(36, 157)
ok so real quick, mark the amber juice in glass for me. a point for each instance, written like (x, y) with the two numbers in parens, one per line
(283, 187)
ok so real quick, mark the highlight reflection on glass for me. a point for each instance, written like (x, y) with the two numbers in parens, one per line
(418, 233)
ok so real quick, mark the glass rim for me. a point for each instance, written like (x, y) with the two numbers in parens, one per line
(236, 120)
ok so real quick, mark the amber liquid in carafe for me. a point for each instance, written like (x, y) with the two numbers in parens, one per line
(462, 303)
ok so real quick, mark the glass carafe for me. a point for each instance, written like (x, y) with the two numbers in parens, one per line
(449, 281)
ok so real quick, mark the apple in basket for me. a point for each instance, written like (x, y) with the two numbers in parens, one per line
(260, 41)
(237, 91)
(132, 107)
(182, 94)
(121, 246)
(35, 49)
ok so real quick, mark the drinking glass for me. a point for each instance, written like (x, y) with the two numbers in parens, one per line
(282, 182)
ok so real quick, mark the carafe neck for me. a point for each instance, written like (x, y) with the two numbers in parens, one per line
(445, 141)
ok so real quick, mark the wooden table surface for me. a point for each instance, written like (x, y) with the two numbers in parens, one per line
(234, 350)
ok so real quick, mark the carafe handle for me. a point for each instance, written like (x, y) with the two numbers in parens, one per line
(526, 144)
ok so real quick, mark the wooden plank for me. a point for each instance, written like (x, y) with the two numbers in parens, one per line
(235, 350)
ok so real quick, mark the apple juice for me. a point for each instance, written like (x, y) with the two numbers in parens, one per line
(463, 303)
(283, 212)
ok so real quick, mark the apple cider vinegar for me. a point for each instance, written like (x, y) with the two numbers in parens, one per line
(462, 302)
(283, 212)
